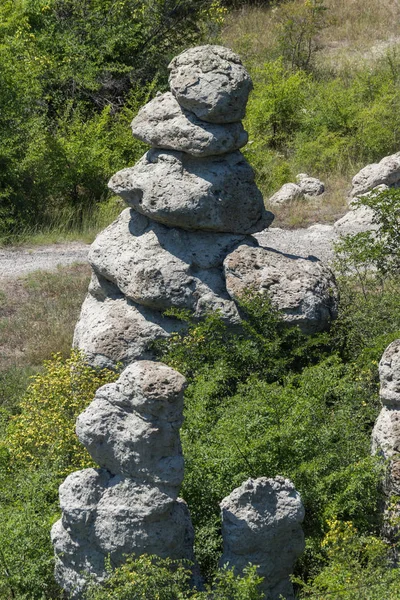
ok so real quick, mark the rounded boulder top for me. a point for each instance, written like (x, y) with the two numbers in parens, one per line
(212, 82)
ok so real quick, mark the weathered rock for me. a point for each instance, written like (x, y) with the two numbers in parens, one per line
(386, 443)
(355, 221)
(261, 524)
(310, 186)
(386, 172)
(131, 506)
(163, 123)
(303, 289)
(128, 517)
(213, 194)
(211, 82)
(159, 267)
(289, 192)
(129, 432)
(112, 329)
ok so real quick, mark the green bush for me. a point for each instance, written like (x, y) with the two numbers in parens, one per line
(153, 578)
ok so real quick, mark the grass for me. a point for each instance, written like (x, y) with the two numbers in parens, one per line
(68, 225)
(37, 317)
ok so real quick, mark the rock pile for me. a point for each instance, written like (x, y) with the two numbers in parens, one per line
(386, 438)
(193, 202)
(130, 504)
(306, 188)
(261, 524)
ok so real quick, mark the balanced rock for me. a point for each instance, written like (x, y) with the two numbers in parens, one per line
(130, 506)
(261, 524)
(304, 289)
(163, 123)
(132, 427)
(178, 190)
(386, 172)
(211, 82)
(386, 442)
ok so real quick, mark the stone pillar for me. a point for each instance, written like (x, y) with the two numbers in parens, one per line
(130, 505)
(261, 525)
(386, 440)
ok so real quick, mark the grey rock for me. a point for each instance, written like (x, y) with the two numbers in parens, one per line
(211, 82)
(163, 123)
(386, 444)
(160, 268)
(386, 172)
(310, 186)
(261, 524)
(389, 375)
(131, 434)
(112, 329)
(356, 221)
(303, 289)
(213, 194)
(129, 518)
(288, 193)
(131, 506)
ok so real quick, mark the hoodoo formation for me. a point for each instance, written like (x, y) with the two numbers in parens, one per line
(194, 205)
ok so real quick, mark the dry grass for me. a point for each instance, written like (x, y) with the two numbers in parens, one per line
(38, 314)
(355, 31)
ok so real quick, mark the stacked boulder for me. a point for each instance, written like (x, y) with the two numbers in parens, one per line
(130, 505)
(193, 202)
(261, 524)
(386, 440)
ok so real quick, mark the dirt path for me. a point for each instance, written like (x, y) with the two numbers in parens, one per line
(15, 262)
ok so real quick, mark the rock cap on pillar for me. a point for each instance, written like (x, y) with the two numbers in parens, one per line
(212, 82)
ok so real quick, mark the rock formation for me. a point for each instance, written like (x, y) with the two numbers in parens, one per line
(386, 172)
(306, 188)
(130, 504)
(261, 524)
(193, 203)
(386, 439)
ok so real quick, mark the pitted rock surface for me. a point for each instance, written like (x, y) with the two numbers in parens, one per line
(127, 433)
(159, 267)
(261, 524)
(130, 506)
(386, 172)
(303, 289)
(386, 443)
(212, 194)
(112, 329)
(211, 82)
(163, 123)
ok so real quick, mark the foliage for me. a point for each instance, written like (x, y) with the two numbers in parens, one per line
(72, 76)
(379, 249)
(357, 567)
(44, 431)
(298, 25)
(153, 578)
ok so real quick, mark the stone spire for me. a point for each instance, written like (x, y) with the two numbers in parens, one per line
(130, 505)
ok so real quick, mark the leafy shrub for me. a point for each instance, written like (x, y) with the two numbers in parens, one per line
(358, 567)
(44, 431)
(153, 578)
(378, 250)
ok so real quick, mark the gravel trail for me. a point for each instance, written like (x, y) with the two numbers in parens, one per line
(16, 262)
